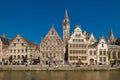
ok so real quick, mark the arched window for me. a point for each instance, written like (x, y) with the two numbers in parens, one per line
(15, 56)
(18, 56)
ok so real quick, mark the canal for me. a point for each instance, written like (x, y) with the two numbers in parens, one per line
(59, 75)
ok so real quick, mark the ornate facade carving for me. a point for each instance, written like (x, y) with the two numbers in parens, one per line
(52, 48)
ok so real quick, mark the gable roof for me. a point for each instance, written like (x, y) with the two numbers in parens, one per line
(29, 43)
(52, 32)
(5, 40)
(92, 38)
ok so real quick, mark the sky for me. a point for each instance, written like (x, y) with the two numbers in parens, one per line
(34, 18)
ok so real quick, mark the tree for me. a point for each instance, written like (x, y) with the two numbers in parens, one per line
(112, 62)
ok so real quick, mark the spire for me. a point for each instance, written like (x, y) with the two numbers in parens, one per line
(111, 30)
(66, 14)
(111, 33)
(66, 21)
(52, 25)
(66, 28)
(111, 38)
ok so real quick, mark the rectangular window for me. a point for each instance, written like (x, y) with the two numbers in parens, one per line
(94, 52)
(54, 55)
(90, 52)
(104, 52)
(46, 55)
(104, 59)
(100, 52)
(114, 55)
(70, 57)
(76, 57)
(84, 58)
(85, 51)
(73, 57)
(43, 55)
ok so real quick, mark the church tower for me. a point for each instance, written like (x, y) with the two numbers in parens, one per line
(111, 38)
(66, 28)
(66, 34)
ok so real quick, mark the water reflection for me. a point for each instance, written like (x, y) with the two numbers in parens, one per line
(62, 75)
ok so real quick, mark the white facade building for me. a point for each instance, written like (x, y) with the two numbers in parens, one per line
(87, 50)
(77, 47)
(102, 52)
(20, 50)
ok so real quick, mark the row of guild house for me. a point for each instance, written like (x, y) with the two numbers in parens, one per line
(17, 50)
(77, 47)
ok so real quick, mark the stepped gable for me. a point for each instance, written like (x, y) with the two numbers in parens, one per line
(29, 43)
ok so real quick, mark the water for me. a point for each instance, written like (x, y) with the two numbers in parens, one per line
(62, 75)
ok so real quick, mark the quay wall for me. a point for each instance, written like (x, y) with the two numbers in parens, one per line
(57, 68)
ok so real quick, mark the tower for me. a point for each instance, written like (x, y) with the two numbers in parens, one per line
(66, 28)
(111, 38)
(66, 33)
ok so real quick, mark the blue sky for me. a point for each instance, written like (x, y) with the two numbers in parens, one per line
(33, 18)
